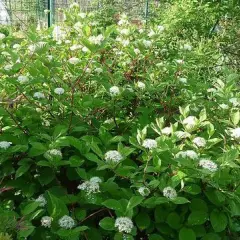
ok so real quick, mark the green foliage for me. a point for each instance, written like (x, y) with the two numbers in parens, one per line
(117, 131)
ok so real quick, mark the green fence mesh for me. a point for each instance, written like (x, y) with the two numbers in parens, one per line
(25, 12)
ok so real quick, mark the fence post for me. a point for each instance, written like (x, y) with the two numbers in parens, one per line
(50, 13)
(146, 10)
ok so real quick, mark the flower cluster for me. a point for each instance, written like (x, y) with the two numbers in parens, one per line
(189, 153)
(124, 224)
(66, 222)
(113, 156)
(144, 191)
(208, 164)
(114, 91)
(41, 200)
(169, 192)
(91, 186)
(5, 145)
(235, 133)
(199, 142)
(149, 143)
(46, 221)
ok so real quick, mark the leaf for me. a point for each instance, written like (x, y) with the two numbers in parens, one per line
(107, 223)
(179, 200)
(134, 201)
(197, 217)
(187, 234)
(56, 207)
(154, 201)
(37, 149)
(143, 220)
(198, 204)
(218, 220)
(46, 175)
(30, 208)
(80, 213)
(174, 220)
(21, 170)
(59, 131)
(235, 117)
(113, 204)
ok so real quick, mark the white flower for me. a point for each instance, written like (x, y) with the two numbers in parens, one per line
(58, 33)
(234, 101)
(224, 106)
(8, 67)
(66, 222)
(147, 43)
(141, 85)
(189, 153)
(77, 25)
(41, 44)
(141, 30)
(144, 191)
(181, 134)
(166, 131)
(137, 51)
(190, 122)
(74, 60)
(187, 47)
(114, 91)
(160, 28)
(82, 15)
(211, 90)
(98, 70)
(125, 31)
(74, 5)
(85, 49)
(151, 33)
(75, 47)
(23, 79)
(41, 200)
(59, 91)
(208, 164)
(149, 143)
(2, 36)
(55, 152)
(180, 61)
(199, 141)
(91, 186)
(169, 192)
(182, 80)
(49, 57)
(113, 156)
(96, 39)
(235, 133)
(16, 46)
(46, 221)
(67, 41)
(124, 224)
(5, 145)
(38, 95)
(109, 121)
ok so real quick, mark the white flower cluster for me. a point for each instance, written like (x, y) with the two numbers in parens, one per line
(97, 40)
(8, 67)
(75, 47)
(181, 134)
(66, 222)
(38, 95)
(124, 224)
(74, 60)
(147, 43)
(137, 51)
(46, 221)
(141, 85)
(58, 33)
(208, 164)
(91, 186)
(2, 36)
(235, 133)
(187, 47)
(199, 142)
(169, 192)
(59, 91)
(235, 102)
(182, 80)
(166, 131)
(5, 145)
(23, 79)
(41, 200)
(190, 121)
(149, 143)
(114, 91)
(113, 156)
(144, 191)
(189, 153)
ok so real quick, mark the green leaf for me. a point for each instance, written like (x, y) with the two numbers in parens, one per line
(211, 236)
(143, 220)
(187, 234)
(113, 204)
(192, 189)
(235, 117)
(31, 207)
(46, 175)
(56, 207)
(179, 200)
(154, 201)
(174, 220)
(107, 223)
(21, 170)
(37, 149)
(80, 213)
(59, 131)
(218, 220)
(134, 201)
(197, 217)
(198, 204)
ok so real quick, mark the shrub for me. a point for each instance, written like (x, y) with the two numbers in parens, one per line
(118, 133)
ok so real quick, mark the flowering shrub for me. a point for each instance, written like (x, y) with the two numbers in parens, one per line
(118, 132)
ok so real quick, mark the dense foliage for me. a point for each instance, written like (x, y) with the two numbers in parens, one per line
(115, 130)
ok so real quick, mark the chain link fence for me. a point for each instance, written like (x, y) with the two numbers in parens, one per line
(26, 12)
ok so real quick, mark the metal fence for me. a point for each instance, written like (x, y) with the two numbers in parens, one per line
(26, 12)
